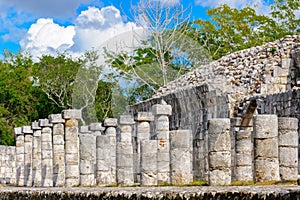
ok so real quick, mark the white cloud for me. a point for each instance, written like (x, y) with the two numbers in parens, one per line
(262, 6)
(169, 2)
(95, 26)
(92, 27)
(45, 37)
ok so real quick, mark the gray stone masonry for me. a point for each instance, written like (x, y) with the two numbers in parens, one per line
(110, 122)
(47, 153)
(87, 150)
(28, 140)
(143, 120)
(111, 133)
(10, 173)
(59, 174)
(266, 163)
(71, 114)
(288, 148)
(20, 159)
(244, 157)
(219, 152)
(124, 169)
(72, 149)
(36, 155)
(148, 162)
(2, 164)
(181, 157)
(161, 134)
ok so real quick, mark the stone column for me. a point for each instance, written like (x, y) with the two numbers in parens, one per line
(244, 148)
(161, 129)
(28, 137)
(106, 154)
(20, 159)
(125, 151)
(181, 156)
(266, 164)
(143, 120)
(148, 161)
(11, 165)
(288, 148)
(36, 155)
(58, 150)
(47, 153)
(72, 147)
(87, 152)
(219, 152)
(2, 164)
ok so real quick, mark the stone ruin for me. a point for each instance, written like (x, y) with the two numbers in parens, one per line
(234, 119)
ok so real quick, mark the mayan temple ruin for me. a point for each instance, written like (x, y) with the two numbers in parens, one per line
(236, 118)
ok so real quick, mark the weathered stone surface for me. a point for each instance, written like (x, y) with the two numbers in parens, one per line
(96, 127)
(35, 125)
(288, 157)
(126, 120)
(148, 162)
(56, 119)
(160, 109)
(27, 129)
(244, 173)
(144, 117)
(110, 122)
(244, 159)
(265, 126)
(71, 114)
(267, 148)
(288, 173)
(219, 160)
(266, 169)
(219, 177)
(44, 123)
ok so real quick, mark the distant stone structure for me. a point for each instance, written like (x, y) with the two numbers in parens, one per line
(234, 119)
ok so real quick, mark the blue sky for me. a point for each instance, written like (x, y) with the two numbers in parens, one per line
(47, 26)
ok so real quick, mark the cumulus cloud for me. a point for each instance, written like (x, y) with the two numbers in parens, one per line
(95, 26)
(47, 37)
(92, 27)
(261, 6)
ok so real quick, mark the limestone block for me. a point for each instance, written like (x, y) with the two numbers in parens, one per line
(58, 149)
(72, 181)
(244, 173)
(218, 125)
(243, 135)
(287, 123)
(219, 177)
(27, 129)
(267, 148)
(71, 124)
(265, 126)
(56, 119)
(148, 178)
(159, 109)
(87, 144)
(105, 178)
(219, 160)
(87, 167)
(110, 122)
(44, 123)
(35, 126)
(162, 123)
(163, 146)
(143, 130)
(288, 157)
(71, 114)
(288, 173)
(103, 165)
(219, 142)
(18, 131)
(72, 158)
(71, 134)
(243, 159)
(111, 132)
(125, 129)
(20, 150)
(163, 177)
(96, 127)
(125, 160)
(288, 138)
(102, 141)
(87, 180)
(84, 129)
(58, 129)
(244, 146)
(104, 153)
(162, 135)
(72, 171)
(58, 140)
(126, 120)
(125, 176)
(181, 139)
(286, 63)
(278, 71)
(126, 137)
(144, 117)
(266, 169)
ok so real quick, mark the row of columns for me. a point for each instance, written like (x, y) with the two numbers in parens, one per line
(270, 153)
